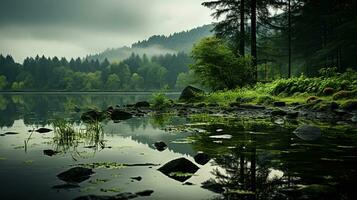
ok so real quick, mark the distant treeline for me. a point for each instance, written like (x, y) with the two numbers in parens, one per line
(134, 73)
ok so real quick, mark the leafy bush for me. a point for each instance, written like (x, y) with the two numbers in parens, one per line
(316, 85)
(218, 67)
(160, 101)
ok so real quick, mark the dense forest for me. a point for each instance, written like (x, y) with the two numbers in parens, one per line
(284, 38)
(134, 73)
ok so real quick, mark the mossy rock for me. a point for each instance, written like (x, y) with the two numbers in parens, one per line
(328, 91)
(191, 93)
(311, 99)
(344, 94)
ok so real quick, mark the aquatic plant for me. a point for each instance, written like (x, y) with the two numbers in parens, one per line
(68, 136)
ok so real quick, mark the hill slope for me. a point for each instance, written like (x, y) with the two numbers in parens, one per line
(157, 45)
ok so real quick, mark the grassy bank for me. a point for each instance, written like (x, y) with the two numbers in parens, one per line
(339, 88)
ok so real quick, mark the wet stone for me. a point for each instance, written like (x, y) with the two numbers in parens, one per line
(50, 152)
(202, 158)
(11, 133)
(145, 193)
(120, 115)
(92, 116)
(178, 166)
(43, 130)
(160, 145)
(137, 178)
(75, 175)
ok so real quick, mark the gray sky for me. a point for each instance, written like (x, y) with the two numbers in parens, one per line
(74, 28)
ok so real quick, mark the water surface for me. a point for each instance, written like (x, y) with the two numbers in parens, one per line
(251, 159)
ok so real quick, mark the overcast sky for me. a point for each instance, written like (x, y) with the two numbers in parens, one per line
(74, 28)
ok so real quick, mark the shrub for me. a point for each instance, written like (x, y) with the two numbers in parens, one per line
(218, 67)
(160, 101)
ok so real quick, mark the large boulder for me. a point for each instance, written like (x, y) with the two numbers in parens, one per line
(120, 115)
(75, 175)
(179, 169)
(308, 133)
(190, 93)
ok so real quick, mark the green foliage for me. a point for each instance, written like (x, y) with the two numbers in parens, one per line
(3, 82)
(133, 73)
(218, 67)
(160, 101)
(302, 84)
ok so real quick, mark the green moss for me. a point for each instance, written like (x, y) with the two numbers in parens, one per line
(345, 95)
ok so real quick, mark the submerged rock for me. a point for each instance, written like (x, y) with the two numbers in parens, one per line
(179, 169)
(120, 115)
(121, 196)
(308, 133)
(160, 145)
(190, 93)
(145, 193)
(43, 130)
(75, 175)
(50, 152)
(202, 158)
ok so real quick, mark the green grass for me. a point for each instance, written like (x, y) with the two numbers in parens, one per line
(293, 90)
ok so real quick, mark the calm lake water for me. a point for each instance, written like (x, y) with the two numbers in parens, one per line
(251, 159)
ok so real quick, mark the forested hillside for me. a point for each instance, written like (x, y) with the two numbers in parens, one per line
(160, 61)
(134, 73)
(157, 45)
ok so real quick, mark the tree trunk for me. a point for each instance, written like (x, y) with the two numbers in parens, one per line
(242, 30)
(254, 36)
(289, 22)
